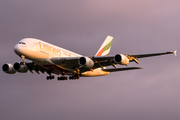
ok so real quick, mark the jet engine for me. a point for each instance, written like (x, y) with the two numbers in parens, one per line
(8, 68)
(18, 67)
(121, 59)
(86, 61)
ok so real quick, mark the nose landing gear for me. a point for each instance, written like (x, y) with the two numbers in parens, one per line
(22, 58)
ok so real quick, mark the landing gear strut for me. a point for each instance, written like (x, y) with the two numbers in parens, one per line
(22, 57)
(76, 76)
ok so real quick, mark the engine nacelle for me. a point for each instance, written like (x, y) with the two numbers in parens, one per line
(18, 67)
(8, 68)
(86, 61)
(121, 59)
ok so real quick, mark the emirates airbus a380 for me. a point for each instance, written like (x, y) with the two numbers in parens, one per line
(52, 59)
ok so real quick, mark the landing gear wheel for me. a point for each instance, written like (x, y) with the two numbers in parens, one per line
(62, 78)
(50, 77)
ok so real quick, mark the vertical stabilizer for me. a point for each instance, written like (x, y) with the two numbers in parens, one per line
(105, 47)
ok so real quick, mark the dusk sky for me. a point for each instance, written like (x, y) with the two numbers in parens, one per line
(138, 26)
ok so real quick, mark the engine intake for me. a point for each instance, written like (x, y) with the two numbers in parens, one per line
(121, 59)
(117, 58)
(8, 68)
(18, 67)
(86, 61)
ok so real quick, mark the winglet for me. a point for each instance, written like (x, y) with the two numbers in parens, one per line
(175, 52)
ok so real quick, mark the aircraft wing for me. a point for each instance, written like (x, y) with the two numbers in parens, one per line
(134, 57)
(73, 63)
(153, 54)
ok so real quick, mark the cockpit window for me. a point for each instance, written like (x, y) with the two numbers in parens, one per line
(22, 43)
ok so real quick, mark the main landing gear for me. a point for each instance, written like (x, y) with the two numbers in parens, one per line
(62, 78)
(74, 77)
(50, 77)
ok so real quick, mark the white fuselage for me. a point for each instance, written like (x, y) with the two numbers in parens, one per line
(40, 52)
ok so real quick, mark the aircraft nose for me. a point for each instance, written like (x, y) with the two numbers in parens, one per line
(17, 49)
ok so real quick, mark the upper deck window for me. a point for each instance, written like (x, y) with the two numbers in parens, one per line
(22, 43)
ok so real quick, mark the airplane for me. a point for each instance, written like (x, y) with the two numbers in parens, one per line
(46, 57)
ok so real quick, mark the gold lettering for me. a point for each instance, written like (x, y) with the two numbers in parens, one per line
(40, 45)
(51, 49)
(59, 52)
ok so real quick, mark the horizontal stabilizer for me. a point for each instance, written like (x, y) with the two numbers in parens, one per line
(121, 69)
